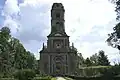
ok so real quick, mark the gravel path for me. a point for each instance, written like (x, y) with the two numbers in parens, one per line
(60, 78)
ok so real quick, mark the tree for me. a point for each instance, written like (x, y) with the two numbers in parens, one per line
(31, 61)
(80, 60)
(114, 37)
(22, 59)
(94, 59)
(88, 62)
(117, 7)
(5, 31)
(13, 55)
(102, 59)
(24, 74)
(6, 54)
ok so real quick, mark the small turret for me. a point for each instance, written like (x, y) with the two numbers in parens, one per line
(43, 46)
(72, 45)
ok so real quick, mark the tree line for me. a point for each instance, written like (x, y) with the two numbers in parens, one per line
(97, 59)
(13, 55)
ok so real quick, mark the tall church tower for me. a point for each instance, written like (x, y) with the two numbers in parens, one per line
(58, 57)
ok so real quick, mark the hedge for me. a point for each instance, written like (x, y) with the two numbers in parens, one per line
(94, 78)
(25, 74)
(7, 79)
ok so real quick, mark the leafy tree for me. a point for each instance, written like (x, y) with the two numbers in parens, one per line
(22, 59)
(102, 59)
(5, 33)
(6, 54)
(88, 62)
(13, 55)
(94, 59)
(80, 60)
(31, 61)
(25, 74)
(114, 37)
(117, 7)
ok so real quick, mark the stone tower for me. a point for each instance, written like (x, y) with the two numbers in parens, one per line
(58, 57)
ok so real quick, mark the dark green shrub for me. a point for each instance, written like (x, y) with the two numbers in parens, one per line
(7, 79)
(1, 75)
(43, 78)
(25, 74)
(93, 70)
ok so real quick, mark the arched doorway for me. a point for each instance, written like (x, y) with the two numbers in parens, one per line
(58, 68)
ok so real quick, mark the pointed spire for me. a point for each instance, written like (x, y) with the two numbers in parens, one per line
(72, 45)
(43, 46)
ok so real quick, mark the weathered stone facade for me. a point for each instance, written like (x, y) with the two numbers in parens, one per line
(58, 57)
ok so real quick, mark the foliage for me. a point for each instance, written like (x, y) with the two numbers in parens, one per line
(99, 59)
(102, 59)
(80, 60)
(44, 78)
(117, 7)
(25, 74)
(94, 59)
(94, 78)
(7, 79)
(100, 71)
(93, 70)
(6, 51)
(88, 62)
(114, 37)
(13, 55)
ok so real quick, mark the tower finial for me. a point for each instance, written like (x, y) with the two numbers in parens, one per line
(72, 45)
(43, 46)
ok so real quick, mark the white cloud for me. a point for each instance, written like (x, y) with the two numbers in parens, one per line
(11, 14)
(34, 22)
(12, 25)
(11, 8)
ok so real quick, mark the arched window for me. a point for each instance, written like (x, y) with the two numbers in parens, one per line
(57, 24)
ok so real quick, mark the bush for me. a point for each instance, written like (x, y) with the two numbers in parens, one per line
(93, 70)
(7, 79)
(25, 74)
(6, 75)
(1, 75)
(42, 78)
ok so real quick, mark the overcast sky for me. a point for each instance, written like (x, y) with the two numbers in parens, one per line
(87, 22)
